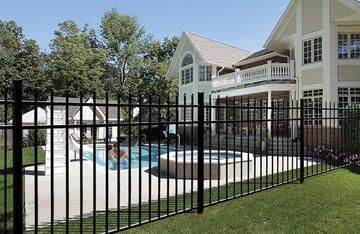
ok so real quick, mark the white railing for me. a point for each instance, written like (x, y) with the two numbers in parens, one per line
(267, 72)
(225, 81)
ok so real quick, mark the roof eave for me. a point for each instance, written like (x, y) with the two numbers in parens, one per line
(279, 23)
(262, 57)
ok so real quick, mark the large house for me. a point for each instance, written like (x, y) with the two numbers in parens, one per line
(313, 53)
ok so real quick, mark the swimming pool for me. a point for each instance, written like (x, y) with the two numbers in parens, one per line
(148, 159)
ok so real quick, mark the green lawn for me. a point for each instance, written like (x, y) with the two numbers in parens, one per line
(328, 203)
(28, 159)
(325, 203)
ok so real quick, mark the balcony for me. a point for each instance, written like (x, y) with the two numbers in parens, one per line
(268, 72)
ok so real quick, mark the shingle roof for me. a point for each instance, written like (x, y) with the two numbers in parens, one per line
(257, 54)
(113, 110)
(217, 53)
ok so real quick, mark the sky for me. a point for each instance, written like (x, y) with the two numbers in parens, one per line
(242, 23)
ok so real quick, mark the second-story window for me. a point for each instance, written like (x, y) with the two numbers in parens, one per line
(318, 49)
(312, 49)
(205, 73)
(187, 70)
(187, 76)
(355, 46)
(307, 51)
(349, 46)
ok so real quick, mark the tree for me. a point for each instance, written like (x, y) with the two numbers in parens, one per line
(20, 58)
(76, 61)
(157, 60)
(126, 42)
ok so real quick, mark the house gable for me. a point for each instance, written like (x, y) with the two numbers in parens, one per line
(205, 51)
(185, 46)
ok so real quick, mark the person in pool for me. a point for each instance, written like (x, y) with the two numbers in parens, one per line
(114, 153)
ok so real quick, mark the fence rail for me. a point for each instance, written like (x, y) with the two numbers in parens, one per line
(93, 165)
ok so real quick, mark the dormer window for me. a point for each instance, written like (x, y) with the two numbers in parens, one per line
(187, 70)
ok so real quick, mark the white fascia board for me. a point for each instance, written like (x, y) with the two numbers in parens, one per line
(280, 22)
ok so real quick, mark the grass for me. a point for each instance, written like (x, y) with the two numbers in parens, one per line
(123, 215)
(328, 203)
(28, 160)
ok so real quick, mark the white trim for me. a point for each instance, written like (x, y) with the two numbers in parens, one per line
(350, 84)
(278, 24)
(312, 35)
(351, 62)
(177, 51)
(255, 90)
(310, 66)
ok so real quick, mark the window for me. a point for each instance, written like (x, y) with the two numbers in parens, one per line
(207, 116)
(349, 45)
(342, 46)
(279, 112)
(186, 114)
(307, 52)
(355, 46)
(312, 50)
(188, 60)
(347, 97)
(202, 73)
(208, 73)
(187, 76)
(205, 73)
(313, 107)
(187, 73)
(318, 49)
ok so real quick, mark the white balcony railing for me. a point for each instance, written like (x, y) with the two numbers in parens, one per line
(267, 72)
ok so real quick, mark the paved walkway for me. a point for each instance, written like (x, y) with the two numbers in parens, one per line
(74, 187)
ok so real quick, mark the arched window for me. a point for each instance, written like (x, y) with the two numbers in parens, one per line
(188, 59)
(187, 71)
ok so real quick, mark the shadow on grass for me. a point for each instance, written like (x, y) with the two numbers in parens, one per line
(354, 169)
(8, 219)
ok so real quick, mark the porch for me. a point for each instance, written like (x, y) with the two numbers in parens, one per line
(255, 76)
(258, 114)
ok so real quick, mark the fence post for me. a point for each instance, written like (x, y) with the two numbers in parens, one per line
(200, 195)
(302, 140)
(18, 223)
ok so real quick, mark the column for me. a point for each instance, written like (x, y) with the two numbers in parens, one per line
(269, 105)
(213, 116)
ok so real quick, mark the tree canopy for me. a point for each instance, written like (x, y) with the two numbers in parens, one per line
(20, 58)
(120, 58)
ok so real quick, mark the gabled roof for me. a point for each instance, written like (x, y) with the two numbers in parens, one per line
(217, 53)
(210, 51)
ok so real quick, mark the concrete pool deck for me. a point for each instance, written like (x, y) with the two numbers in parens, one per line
(59, 194)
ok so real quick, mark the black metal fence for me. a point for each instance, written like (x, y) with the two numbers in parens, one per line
(109, 165)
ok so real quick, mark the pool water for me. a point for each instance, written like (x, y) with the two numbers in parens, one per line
(148, 159)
